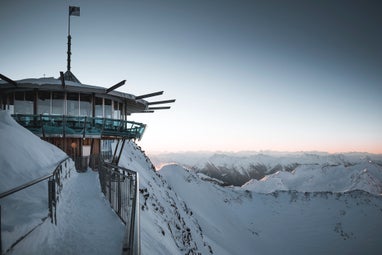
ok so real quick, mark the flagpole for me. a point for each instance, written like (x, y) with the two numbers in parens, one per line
(69, 42)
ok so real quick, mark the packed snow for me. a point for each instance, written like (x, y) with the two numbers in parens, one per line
(86, 223)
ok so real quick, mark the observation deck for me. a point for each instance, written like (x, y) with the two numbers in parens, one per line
(64, 126)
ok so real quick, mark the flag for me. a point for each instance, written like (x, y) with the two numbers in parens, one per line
(74, 11)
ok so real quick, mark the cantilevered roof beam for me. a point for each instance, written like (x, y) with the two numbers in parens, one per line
(115, 86)
(162, 102)
(146, 111)
(160, 108)
(5, 78)
(150, 95)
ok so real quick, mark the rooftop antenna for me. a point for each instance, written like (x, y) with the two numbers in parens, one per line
(73, 11)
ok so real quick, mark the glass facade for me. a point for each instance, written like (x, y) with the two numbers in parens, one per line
(117, 110)
(108, 108)
(99, 107)
(86, 108)
(62, 103)
(72, 104)
(58, 103)
(43, 102)
(10, 104)
(24, 102)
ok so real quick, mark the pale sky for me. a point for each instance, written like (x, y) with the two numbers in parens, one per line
(247, 75)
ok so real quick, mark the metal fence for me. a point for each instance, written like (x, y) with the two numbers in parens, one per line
(121, 188)
(55, 185)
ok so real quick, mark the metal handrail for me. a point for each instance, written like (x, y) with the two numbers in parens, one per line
(53, 191)
(131, 220)
(31, 183)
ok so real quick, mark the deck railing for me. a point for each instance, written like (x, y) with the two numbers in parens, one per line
(121, 187)
(55, 185)
(79, 126)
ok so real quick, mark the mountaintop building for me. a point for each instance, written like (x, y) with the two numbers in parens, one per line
(80, 119)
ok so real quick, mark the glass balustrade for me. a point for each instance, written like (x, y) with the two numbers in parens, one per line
(79, 126)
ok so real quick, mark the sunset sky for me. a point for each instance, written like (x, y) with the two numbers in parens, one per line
(247, 75)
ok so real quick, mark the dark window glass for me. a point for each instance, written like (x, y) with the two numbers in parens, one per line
(86, 105)
(108, 109)
(24, 102)
(98, 107)
(57, 103)
(72, 104)
(43, 102)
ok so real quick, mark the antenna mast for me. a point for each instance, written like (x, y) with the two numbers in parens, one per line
(73, 11)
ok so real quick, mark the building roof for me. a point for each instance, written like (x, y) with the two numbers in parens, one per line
(135, 104)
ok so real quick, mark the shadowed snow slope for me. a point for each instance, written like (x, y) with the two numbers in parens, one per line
(235, 221)
(167, 224)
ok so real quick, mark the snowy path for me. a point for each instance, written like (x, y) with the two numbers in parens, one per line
(86, 223)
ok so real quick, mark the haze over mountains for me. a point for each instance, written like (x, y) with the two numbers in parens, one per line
(239, 168)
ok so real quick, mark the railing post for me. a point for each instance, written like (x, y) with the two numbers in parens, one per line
(84, 133)
(110, 175)
(50, 199)
(119, 194)
(1, 240)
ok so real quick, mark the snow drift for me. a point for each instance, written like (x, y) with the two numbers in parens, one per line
(24, 156)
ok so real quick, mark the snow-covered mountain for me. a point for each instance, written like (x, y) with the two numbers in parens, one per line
(366, 176)
(217, 219)
(238, 221)
(238, 168)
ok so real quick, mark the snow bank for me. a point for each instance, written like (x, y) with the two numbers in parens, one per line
(24, 156)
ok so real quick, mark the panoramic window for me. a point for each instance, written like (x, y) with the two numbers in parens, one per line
(86, 105)
(57, 103)
(98, 107)
(108, 109)
(43, 102)
(24, 102)
(117, 110)
(72, 104)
